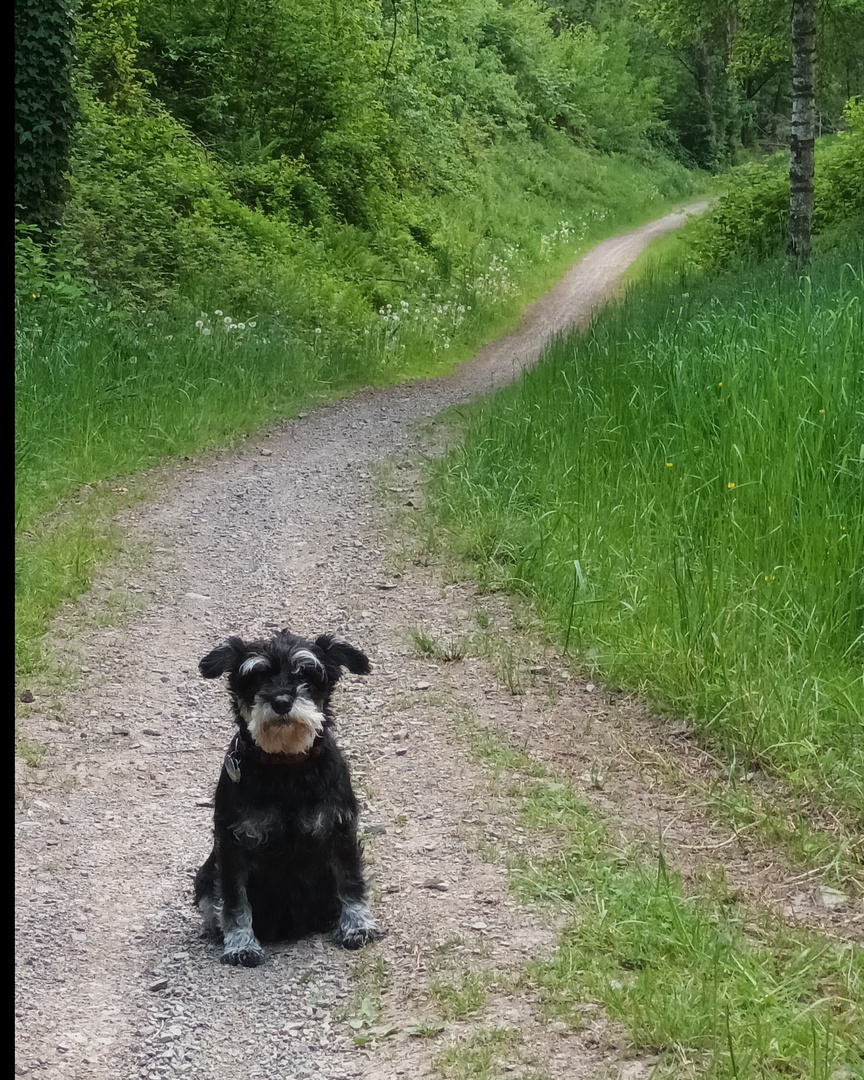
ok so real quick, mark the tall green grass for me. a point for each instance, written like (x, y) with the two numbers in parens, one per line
(101, 393)
(682, 486)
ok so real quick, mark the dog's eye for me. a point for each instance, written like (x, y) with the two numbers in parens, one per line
(307, 665)
(311, 673)
(254, 663)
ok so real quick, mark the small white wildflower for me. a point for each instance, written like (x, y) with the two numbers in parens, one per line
(226, 320)
(199, 324)
(206, 331)
(149, 323)
(317, 329)
(241, 325)
(217, 312)
(252, 325)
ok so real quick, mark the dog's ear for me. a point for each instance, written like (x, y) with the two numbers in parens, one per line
(219, 661)
(345, 655)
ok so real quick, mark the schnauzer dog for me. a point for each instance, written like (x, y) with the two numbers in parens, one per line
(286, 860)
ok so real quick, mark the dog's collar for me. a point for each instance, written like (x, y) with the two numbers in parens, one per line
(241, 746)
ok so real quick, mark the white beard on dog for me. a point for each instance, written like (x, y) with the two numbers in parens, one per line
(291, 734)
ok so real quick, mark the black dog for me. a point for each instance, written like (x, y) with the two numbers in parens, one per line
(286, 860)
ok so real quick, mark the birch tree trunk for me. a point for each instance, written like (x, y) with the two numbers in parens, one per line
(801, 165)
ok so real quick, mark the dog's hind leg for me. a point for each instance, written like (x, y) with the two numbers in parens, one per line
(241, 946)
(357, 926)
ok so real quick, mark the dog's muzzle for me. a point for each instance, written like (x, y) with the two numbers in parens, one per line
(284, 723)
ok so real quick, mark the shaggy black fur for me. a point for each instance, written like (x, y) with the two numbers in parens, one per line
(286, 859)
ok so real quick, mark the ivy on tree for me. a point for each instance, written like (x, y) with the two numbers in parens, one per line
(45, 108)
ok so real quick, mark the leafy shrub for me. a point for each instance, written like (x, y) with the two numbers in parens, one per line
(839, 183)
(750, 220)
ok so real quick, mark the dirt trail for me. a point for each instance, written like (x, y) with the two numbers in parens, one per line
(113, 979)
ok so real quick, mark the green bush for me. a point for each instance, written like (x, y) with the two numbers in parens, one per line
(750, 220)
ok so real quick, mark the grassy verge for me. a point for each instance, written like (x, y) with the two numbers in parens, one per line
(701, 983)
(681, 489)
(100, 394)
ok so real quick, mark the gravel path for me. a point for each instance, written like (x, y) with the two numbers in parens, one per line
(113, 978)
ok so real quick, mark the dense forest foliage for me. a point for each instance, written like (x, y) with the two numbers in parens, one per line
(214, 139)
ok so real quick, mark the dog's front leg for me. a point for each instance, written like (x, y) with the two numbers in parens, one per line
(357, 926)
(241, 946)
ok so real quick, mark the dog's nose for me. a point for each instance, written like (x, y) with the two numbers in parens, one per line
(282, 703)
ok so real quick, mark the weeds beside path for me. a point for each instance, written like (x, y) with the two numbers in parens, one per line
(113, 979)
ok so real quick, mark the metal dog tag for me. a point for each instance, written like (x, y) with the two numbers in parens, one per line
(232, 767)
(232, 761)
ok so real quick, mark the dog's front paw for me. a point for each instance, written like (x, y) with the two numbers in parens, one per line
(358, 937)
(243, 957)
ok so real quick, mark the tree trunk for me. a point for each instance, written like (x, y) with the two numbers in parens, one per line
(803, 122)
